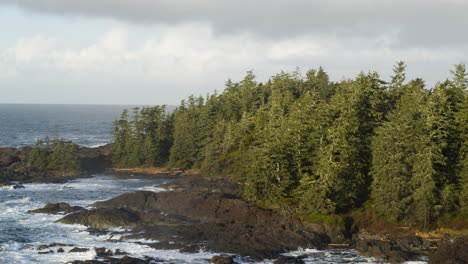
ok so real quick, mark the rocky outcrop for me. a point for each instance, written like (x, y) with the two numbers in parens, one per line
(14, 167)
(222, 260)
(451, 251)
(384, 249)
(394, 249)
(104, 218)
(55, 208)
(95, 160)
(209, 220)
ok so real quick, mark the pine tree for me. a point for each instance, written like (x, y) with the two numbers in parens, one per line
(403, 160)
(460, 86)
(345, 156)
(122, 134)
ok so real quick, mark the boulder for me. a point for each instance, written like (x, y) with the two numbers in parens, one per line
(222, 260)
(451, 251)
(384, 249)
(103, 218)
(55, 208)
(78, 250)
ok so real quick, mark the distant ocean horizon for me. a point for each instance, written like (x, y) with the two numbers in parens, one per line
(86, 125)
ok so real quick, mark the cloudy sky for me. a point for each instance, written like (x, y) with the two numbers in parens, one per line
(161, 51)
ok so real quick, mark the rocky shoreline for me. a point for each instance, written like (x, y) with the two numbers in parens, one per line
(200, 213)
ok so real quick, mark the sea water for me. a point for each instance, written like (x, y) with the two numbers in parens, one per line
(87, 125)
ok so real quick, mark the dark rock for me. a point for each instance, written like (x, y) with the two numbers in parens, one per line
(18, 186)
(452, 251)
(41, 247)
(45, 252)
(288, 260)
(228, 224)
(410, 243)
(128, 260)
(54, 208)
(60, 250)
(8, 156)
(191, 248)
(119, 252)
(95, 160)
(103, 252)
(222, 260)
(77, 249)
(384, 249)
(103, 218)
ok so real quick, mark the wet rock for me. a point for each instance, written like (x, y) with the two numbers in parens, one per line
(119, 252)
(129, 260)
(44, 246)
(222, 260)
(78, 250)
(226, 223)
(60, 250)
(410, 243)
(288, 260)
(384, 249)
(95, 160)
(18, 186)
(103, 218)
(54, 208)
(45, 252)
(103, 252)
(452, 251)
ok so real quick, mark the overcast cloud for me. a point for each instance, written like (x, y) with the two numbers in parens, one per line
(415, 22)
(197, 45)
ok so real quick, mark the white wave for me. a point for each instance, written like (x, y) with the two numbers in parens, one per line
(97, 145)
(18, 201)
(7, 188)
(152, 189)
(301, 251)
(142, 240)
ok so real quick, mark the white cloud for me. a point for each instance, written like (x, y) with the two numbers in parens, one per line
(167, 64)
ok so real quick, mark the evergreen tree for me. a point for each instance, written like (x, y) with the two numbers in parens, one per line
(403, 156)
(345, 156)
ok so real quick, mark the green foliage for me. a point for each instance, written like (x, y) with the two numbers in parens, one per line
(307, 146)
(55, 155)
(328, 219)
(144, 139)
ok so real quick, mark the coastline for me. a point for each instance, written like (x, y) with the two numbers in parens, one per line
(194, 197)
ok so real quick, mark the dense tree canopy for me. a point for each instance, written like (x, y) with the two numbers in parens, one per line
(308, 146)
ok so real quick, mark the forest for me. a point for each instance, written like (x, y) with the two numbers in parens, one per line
(308, 146)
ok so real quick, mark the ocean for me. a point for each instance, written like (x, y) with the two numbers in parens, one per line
(87, 125)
